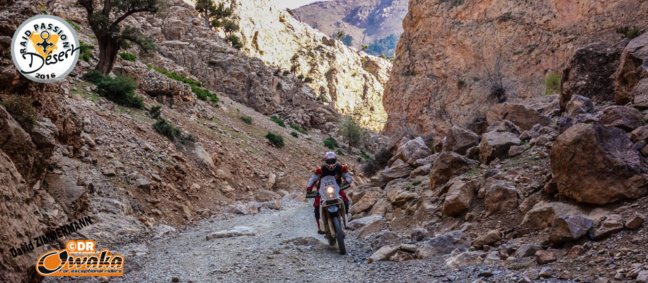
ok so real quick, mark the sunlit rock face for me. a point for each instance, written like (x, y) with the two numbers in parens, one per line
(440, 76)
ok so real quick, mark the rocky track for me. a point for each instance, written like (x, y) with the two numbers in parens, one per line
(284, 248)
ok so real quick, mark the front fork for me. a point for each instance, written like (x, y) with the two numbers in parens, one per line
(327, 218)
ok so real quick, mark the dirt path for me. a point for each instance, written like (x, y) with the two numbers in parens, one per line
(284, 248)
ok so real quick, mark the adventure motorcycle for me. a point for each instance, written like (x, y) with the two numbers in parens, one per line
(332, 211)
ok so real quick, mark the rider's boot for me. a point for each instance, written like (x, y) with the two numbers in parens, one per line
(319, 231)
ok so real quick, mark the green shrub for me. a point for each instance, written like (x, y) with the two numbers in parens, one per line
(279, 86)
(340, 152)
(365, 156)
(278, 121)
(297, 128)
(308, 80)
(417, 182)
(196, 86)
(285, 73)
(294, 134)
(21, 109)
(247, 120)
(301, 77)
(166, 129)
(127, 56)
(630, 32)
(331, 143)
(461, 84)
(155, 112)
(235, 41)
(204, 94)
(352, 132)
(290, 12)
(120, 90)
(377, 163)
(275, 139)
(73, 24)
(94, 76)
(86, 54)
(552, 83)
(177, 77)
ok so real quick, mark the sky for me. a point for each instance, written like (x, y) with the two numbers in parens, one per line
(292, 4)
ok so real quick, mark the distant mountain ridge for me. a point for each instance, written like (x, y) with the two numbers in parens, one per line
(367, 21)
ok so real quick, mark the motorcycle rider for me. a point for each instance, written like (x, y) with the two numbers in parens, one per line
(330, 168)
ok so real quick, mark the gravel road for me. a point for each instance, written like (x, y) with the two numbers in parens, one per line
(284, 248)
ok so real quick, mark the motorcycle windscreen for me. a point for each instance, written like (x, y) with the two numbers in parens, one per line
(326, 183)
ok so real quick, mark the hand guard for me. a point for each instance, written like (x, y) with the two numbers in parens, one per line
(311, 194)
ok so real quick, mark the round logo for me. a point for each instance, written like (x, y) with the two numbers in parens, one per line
(71, 246)
(45, 48)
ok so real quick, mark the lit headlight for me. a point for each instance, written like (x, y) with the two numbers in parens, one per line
(330, 190)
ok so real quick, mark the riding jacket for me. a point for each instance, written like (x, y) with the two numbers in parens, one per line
(338, 171)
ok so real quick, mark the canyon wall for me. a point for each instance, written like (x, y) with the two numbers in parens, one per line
(441, 76)
(351, 80)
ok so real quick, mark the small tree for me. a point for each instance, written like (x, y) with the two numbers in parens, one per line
(352, 132)
(105, 18)
(211, 13)
(340, 34)
(230, 26)
(364, 47)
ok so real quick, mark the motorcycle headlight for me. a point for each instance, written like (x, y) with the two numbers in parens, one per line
(330, 190)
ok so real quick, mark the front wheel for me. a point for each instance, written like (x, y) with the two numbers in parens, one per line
(339, 234)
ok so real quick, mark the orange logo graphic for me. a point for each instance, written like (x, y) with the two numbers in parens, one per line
(80, 258)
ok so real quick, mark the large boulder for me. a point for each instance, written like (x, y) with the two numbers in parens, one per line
(411, 150)
(500, 196)
(640, 94)
(626, 118)
(449, 165)
(595, 164)
(458, 198)
(383, 253)
(590, 73)
(611, 224)
(398, 171)
(487, 238)
(443, 244)
(156, 84)
(496, 145)
(566, 229)
(543, 214)
(504, 126)
(578, 105)
(639, 134)
(399, 198)
(519, 114)
(631, 70)
(364, 221)
(366, 202)
(459, 140)
(421, 171)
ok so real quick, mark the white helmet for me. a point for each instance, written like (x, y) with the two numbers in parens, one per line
(330, 159)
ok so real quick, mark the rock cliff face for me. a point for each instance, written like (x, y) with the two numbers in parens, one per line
(353, 81)
(86, 156)
(365, 20)
(440, 77)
